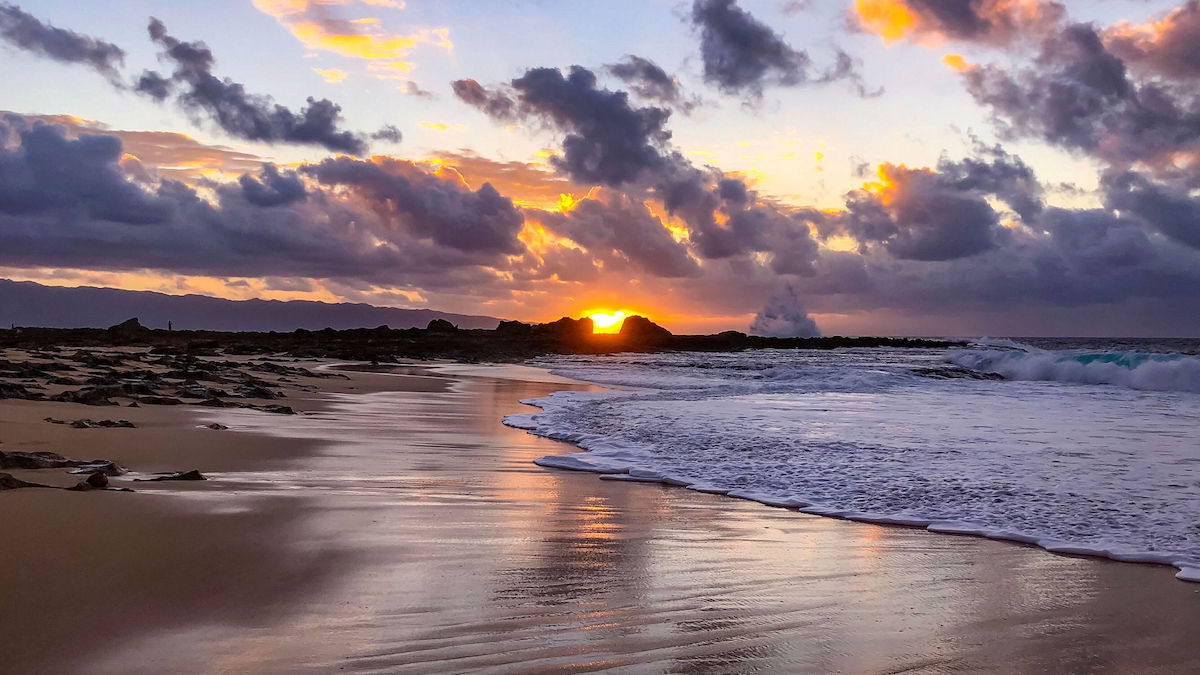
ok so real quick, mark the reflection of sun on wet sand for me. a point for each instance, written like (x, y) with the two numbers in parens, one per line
(395, 525)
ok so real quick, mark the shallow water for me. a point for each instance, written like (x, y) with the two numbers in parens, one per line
(1081, 450)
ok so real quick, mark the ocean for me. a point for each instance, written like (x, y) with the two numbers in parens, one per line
(1078, 446)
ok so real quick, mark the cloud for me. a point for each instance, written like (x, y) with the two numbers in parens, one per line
(26, 32)
(166, 153)
(448, 213)
(67, 203)
(995, 22)
(784, 316)
(1168, 46)
(272, 188)
(316, 24)
(241, 114)
(741, 54)
(332, 75)
(651, 83)
(607, 141)
(615, 227)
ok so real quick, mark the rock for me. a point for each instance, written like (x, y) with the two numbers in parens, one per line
(159, 400)
(441, 326)
(194, 474)
(215, 403)
(53, 420)
(12, 390)
(102, 424)
(216, 427)
(134, 404)
(95, 481)
(105, 466)
(129, 326)
(86, 396)
(642, 332)
(514, 329)
(271, 408)
(66, 381)
(36, 460)
(7, 482)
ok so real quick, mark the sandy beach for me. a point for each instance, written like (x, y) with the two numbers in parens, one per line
(397, 526)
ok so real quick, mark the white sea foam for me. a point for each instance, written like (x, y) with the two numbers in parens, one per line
(1112, 471)
(1125, 368)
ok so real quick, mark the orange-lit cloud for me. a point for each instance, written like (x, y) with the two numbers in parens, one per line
(957, 63)
(316, 25)
(331, 75)
(1164, 46)
(933, 21)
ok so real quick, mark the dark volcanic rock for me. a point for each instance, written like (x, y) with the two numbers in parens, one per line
(12, 390)
(216, 427)
(102, 424)
(7, 482)
(36, 460)
(640, 332)
(105, 466)
(194, 474)
(95, 481)
(159, 400)
(441, 326)
(271, 408)
(88, 396)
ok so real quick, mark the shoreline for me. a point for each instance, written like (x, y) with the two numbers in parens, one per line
(433, 521)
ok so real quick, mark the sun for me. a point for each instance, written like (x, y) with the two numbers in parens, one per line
(607, 322)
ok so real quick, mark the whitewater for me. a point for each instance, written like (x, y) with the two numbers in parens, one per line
(1083, 448)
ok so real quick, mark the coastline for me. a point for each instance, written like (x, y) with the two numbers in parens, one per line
(409, 531)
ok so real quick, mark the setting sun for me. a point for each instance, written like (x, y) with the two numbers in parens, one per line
(605, 322)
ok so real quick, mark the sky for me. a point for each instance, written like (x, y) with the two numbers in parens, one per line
(902, 167)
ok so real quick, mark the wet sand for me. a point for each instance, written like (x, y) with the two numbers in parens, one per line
(409, 531)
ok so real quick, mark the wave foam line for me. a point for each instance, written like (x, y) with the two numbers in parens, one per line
(615, 460)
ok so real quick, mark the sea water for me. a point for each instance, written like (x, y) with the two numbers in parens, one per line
(1082, 447)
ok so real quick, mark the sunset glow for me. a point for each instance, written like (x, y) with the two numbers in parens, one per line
(606, 322)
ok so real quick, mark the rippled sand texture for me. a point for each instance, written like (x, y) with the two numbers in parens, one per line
(419, 537)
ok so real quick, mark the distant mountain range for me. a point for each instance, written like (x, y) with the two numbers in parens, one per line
(24, 303)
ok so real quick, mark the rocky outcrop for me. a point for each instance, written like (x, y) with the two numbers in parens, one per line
(194, 474)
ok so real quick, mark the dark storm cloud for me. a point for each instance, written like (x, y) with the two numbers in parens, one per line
(619, 227)
(66, 203)
(1078, 95)
(923, 214)
(650, 82)
(249, 116)
(272, 188)
(740, 53)
(494, 104)
(49, 172)
(606, 141)
(1169, 46)
(482, 220)
(26, 32)
(1174, 212)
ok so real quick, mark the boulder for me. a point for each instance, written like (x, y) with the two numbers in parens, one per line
(95, 481)
(441, 326)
